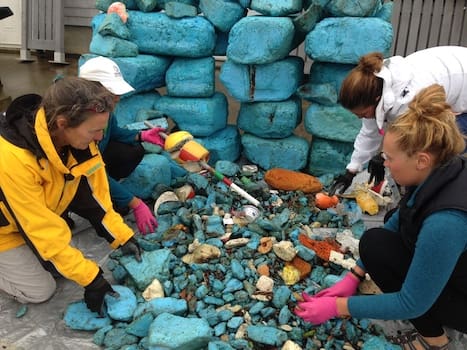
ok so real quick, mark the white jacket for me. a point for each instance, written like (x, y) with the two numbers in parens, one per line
(403, 79)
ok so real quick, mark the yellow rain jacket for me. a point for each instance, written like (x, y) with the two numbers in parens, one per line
(37, 188)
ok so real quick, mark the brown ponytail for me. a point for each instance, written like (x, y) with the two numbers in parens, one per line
(361, 88)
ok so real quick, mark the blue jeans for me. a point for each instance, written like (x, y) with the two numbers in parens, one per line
(461, 121)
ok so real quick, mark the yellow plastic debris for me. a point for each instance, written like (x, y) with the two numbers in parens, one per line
(290, 275)
(367, 203)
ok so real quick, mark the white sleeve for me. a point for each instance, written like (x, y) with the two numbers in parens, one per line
(366, 145)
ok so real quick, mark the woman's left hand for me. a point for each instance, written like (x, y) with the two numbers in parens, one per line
(153, 136)
(317, 310)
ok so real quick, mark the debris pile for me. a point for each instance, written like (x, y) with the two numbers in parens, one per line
(212, 277)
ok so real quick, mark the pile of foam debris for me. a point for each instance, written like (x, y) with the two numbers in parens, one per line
(221, 274)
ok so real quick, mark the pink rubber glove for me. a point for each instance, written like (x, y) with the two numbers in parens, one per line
(145, 220)
(153, 136)
(317, 310)
(346, 287)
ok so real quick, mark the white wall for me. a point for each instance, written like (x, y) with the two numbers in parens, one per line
(10, 28)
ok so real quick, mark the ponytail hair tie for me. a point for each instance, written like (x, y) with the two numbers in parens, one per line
(58, 77)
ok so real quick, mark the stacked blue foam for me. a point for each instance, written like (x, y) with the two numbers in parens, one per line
(261, 75)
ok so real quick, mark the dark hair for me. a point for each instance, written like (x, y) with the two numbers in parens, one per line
(75, 98)
(429, 125)
(361, 87)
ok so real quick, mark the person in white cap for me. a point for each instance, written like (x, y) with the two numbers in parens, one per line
(121, 148)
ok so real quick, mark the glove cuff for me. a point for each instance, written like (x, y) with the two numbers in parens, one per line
(131, 240)
(98, 281)
(360, 277)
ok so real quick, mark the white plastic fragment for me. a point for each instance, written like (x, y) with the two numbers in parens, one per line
(264, 288)
(348, 242)
(290, 345)
(227, 220)
(338, 258)
(167, 196)
(241, 331)
(202, 253)
(285, 250)
(233, 308)
(237, 242)
(154, 290)
(265, 284)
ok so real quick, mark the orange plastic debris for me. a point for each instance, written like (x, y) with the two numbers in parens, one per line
(323, 201)
(322, 248)
(289, 180)
(263, 270)
(265, 245)
(120, 9)
(301, 265)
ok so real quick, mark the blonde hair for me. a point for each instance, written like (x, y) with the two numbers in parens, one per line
(429, 125)
(361, 88)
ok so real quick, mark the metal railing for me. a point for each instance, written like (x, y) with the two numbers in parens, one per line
(42, 28)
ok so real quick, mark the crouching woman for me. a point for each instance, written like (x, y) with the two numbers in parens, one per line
(419, 258)
(50, 163)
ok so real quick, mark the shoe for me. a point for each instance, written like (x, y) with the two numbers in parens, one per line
(407, 340)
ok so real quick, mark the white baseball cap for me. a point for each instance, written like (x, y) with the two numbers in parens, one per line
(106, 72)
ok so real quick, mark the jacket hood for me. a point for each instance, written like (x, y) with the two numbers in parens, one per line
(17, 125)
(396, 75)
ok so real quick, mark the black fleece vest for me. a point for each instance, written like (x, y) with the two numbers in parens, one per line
(445, 188)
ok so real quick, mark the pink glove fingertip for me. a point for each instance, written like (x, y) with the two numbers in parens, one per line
(306, 296)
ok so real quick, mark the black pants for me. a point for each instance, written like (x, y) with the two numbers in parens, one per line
(122, 158)
(85, 206)
(387, 261)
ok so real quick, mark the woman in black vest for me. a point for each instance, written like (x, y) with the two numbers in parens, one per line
(419, 258)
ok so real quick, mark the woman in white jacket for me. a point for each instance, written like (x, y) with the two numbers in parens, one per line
(378, 90)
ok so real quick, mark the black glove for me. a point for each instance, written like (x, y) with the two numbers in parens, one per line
(341, 183)
(132, 248)
(95, 292)
(376, 169)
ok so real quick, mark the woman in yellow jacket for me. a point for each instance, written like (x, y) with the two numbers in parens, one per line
(49, 163)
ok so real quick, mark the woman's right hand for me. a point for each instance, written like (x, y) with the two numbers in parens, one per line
(342, 183)
(95, 292)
